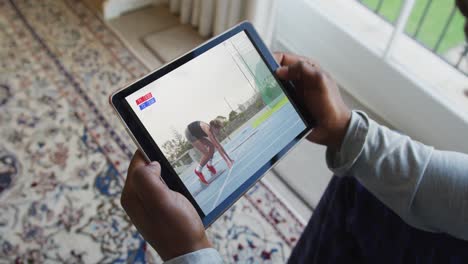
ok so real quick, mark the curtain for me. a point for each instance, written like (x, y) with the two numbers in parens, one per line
(212, 17)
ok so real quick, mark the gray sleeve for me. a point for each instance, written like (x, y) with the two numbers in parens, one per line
(202, 256)
(425, 187)
(441, 202)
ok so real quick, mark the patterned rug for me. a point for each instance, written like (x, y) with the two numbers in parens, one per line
(64, 154)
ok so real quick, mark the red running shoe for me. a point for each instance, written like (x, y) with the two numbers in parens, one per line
(201, 177)
(211, 169)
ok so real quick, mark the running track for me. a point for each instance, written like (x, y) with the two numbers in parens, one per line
(250, 149)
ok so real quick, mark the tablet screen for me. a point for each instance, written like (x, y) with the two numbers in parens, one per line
(218, 119)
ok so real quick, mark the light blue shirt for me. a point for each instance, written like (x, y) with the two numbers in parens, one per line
(427, 188)
(202, 256)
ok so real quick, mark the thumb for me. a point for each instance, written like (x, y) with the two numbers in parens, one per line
(153, 168)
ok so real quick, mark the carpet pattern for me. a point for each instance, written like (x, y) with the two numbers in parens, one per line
(64, 154)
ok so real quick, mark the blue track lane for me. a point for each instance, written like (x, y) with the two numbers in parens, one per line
(250, 148)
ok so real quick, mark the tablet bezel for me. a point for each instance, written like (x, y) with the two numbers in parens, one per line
(152, 151)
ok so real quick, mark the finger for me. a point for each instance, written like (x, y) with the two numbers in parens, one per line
(135, 211)
(125, 200)
(287, 59)
(299, 71)
(130, 202)
(129, 199)
(278, 56)
(313, 136)
(149, 187)
(138, 160)
(317, 136)
(282, 72)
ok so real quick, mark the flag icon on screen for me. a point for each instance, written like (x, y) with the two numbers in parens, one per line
(145, 101)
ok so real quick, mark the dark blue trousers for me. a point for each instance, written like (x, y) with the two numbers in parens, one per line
(350, 225)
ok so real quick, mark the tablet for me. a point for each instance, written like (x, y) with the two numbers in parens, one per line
(216, 119)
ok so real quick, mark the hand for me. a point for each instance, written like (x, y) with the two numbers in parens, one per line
(166, 219)
(320, 96)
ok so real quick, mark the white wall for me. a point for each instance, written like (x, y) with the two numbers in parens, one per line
(383, 87)
(114, 8)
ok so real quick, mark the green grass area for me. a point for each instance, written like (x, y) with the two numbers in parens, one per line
(267, 114)
(433, 24)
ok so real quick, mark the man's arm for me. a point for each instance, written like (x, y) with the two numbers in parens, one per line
(426, 187)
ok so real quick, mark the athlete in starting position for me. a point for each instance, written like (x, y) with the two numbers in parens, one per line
(203, 137)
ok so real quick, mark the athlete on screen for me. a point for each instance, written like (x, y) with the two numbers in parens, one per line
(202, 136)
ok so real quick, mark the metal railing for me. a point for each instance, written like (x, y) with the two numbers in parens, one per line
(454, 55)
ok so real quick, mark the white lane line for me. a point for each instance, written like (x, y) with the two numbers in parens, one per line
(222, 188)
(252, 160)
(290, 127)
(235, 162)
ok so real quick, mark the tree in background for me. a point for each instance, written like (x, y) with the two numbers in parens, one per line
(232, 115)
(177, 146)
